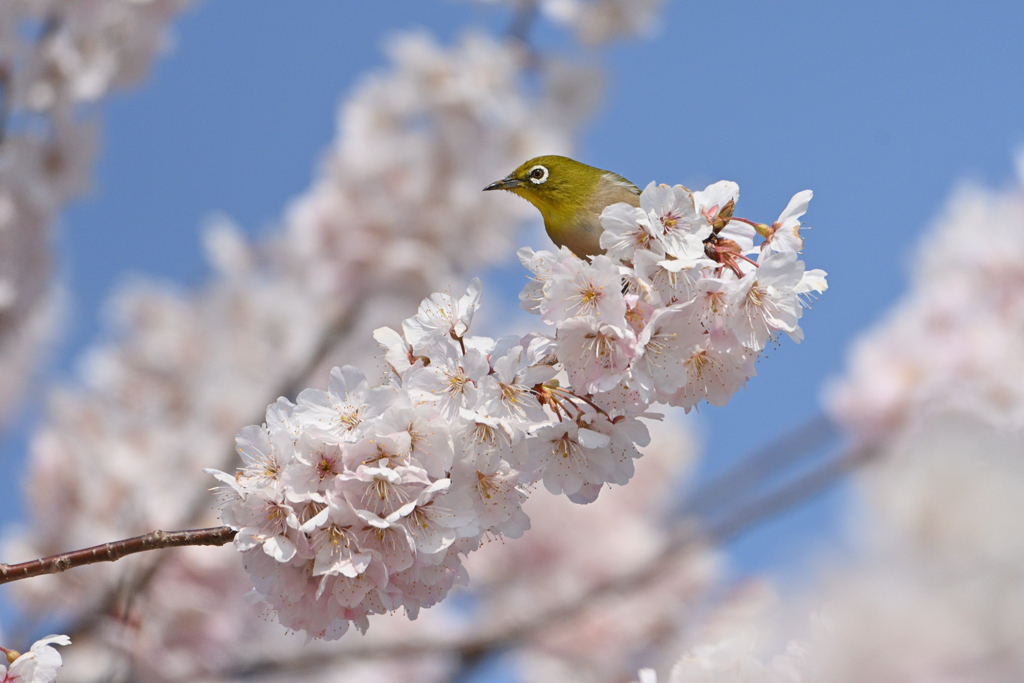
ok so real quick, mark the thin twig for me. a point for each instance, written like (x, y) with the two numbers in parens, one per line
(683, 539)
(115, 550)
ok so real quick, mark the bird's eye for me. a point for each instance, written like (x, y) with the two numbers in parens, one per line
(538, 174)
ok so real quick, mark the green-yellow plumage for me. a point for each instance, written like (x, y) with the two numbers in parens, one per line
(570, 197)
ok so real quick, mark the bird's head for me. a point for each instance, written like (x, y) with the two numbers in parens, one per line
(553, 184)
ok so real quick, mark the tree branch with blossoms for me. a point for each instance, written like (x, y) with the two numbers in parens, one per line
(57, 60)
(685, 537)
(474, 83)
(361, 499)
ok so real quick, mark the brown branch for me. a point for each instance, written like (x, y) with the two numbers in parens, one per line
(51, 24)
(111, 552)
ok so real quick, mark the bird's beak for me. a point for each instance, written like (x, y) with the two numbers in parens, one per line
(506, 183)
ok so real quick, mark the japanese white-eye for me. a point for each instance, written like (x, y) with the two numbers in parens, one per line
(571, 197)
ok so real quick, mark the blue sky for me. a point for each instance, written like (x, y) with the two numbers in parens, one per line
(881, 108)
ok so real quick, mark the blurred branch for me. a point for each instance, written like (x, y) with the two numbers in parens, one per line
(522, 20)
(800, 490)
(111, 552)
(683, 538)
(339, 329)
(767, 461)
(291, 386)
(50, 25)
(5, 100)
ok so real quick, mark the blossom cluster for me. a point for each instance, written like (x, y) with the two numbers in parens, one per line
(361, 500)
(121, 450)
(676, 311)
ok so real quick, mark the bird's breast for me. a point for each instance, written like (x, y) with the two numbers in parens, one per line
(581, 233)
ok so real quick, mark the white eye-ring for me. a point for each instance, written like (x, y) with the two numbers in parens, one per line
(538, 174)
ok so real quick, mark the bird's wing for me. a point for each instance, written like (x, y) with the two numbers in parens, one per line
(616, 179)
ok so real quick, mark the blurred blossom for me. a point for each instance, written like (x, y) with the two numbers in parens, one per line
(932, 593)
(600, 21)
(595, 22)
(953, 342)
(55, 57)
(937, 592)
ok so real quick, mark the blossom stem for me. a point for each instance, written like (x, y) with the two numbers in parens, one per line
(590, 403)
(745, 220)
(110, 552)
(558, 407)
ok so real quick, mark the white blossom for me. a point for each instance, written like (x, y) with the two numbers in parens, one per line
(627, 229)
(595, 354)
(570, 457)
(682, 228)
(450, 381)
(599, 21)
(663, 348)
(765, 301)
(578, 288)
(39, 665)
(444, 316)
(345, 405)
(784, 234)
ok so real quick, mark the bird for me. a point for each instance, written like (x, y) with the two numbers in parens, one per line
(570, 196)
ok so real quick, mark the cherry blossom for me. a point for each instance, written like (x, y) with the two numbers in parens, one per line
(627, 229)
(442, 315)
(39, 665)
(784, 234)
